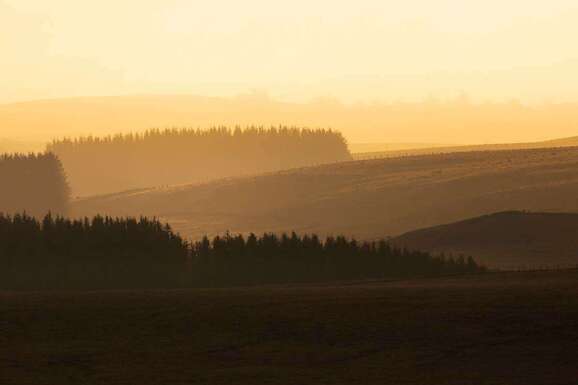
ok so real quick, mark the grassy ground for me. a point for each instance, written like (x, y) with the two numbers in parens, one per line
(506, 328)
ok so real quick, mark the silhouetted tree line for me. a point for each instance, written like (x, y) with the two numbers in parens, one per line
(34, 183)
(98, 253)
(236, 260)
(173, 156)
(104, 252)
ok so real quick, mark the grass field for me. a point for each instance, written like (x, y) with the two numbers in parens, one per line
(506, 328)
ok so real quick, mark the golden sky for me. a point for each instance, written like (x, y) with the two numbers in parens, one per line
(294, 50)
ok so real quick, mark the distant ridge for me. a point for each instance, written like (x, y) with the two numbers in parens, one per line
(508, 239)
(440, 149)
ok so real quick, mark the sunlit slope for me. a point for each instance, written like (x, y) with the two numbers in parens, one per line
(505, 240)
(367, 199)
(394, 151)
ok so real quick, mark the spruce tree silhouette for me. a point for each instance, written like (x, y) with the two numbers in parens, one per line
(269, 259)
(33, 183)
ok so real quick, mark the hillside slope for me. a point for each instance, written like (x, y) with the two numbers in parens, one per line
(505, 240)
(366, 199)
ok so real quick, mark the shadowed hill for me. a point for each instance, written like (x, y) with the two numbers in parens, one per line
(505, 240)
(366, 199)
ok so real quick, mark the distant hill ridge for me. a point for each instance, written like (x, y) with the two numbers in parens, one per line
(440, 149)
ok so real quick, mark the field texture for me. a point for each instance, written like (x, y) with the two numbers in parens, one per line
(508, 328)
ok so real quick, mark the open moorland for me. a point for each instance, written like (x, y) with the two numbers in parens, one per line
(498, 328)
(367, 199)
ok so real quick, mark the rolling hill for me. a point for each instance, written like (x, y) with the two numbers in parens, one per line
(367, 199)
(509, 240)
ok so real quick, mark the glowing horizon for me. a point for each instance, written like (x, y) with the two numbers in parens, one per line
(372, 50)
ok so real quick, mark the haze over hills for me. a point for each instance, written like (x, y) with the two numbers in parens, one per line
(456, 121)
(377, 148)
(393, 151)
(20, 146)
(366, 199)
(508, 240)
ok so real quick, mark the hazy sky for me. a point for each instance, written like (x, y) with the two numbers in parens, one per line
(299, 49)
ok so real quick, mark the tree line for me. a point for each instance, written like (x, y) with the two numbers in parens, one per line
(285, 258)
(101, 252)
(105, 252)
(35, 183)
(174, 156)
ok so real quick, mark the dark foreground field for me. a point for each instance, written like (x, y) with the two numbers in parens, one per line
(507, 328)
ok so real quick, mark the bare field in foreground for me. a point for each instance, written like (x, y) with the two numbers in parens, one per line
(505, 328)
(366, 199)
